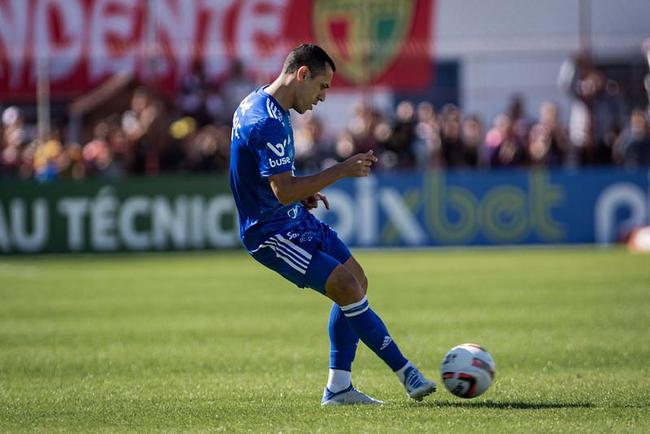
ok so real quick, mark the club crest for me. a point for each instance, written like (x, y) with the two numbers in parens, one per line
(363, 38)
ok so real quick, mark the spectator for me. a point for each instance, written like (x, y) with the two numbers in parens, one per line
(520, 123)
(472, 136)
(344, 146)
(47, 158)
(145, 125)
(26, 161)
(585, 85)
(98, 155)
(548, 141)
(396, 143)
(208, 150)
(362, 128)
(646, 81)
(193, 95)
(501, 148)
(633, 147)
(427, 147)
(235, 88)
(15, 136)
(311, 145)
(200, 100)
(72, 163)
(453, 148)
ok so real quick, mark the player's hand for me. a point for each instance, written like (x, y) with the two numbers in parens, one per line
(359, 165)
(312, 201)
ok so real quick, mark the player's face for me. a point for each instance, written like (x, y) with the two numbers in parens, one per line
(313, 88)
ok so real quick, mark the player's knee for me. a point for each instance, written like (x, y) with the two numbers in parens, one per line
(343, 288)
(355, 268)
(364, 283)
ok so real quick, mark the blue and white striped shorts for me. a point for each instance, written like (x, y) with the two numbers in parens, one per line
(305, 255)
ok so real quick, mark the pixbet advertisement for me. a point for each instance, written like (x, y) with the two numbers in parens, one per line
(385, 210)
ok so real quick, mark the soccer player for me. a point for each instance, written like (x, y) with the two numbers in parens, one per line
(278, 230)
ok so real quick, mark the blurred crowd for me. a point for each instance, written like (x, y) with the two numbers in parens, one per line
(152, 135)
(419, 136)
(192, 134)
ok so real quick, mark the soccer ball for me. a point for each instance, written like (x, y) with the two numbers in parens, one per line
(467, 370)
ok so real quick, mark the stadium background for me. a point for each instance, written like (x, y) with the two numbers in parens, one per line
(115, 139)
(508, 123)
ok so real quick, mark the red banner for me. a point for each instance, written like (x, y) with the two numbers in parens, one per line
(82, 42)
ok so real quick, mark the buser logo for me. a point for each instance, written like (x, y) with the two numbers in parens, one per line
(279, 161)
(279, 148)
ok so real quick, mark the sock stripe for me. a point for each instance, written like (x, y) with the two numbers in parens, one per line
(354, 309)
(353, 305)
(352, 314)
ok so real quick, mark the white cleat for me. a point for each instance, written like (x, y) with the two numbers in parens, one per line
(416, 385)
(349, 396)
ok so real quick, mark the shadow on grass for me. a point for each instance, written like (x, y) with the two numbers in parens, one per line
(510, 405)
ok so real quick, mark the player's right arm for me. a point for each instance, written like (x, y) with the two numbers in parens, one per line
(270, 141)
(289, 188)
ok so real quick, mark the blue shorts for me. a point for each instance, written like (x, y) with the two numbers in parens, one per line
(306, 254)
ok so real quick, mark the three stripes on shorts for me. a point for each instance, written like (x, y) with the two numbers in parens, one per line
(299, 259)
(296, 257)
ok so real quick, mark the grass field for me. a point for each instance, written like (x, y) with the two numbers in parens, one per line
(214, 342)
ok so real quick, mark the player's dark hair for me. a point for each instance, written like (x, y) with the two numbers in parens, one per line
(309, 55)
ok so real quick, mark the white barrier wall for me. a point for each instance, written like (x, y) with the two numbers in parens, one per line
(514, 46)
(506, 47)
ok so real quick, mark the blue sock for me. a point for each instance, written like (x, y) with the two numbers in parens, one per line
(372, 331)
(343, 340)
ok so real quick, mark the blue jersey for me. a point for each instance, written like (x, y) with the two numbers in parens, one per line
(261, 146)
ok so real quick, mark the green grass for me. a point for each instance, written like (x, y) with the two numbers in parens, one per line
(215, 342)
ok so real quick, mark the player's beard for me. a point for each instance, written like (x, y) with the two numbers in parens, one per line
(304, 109)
